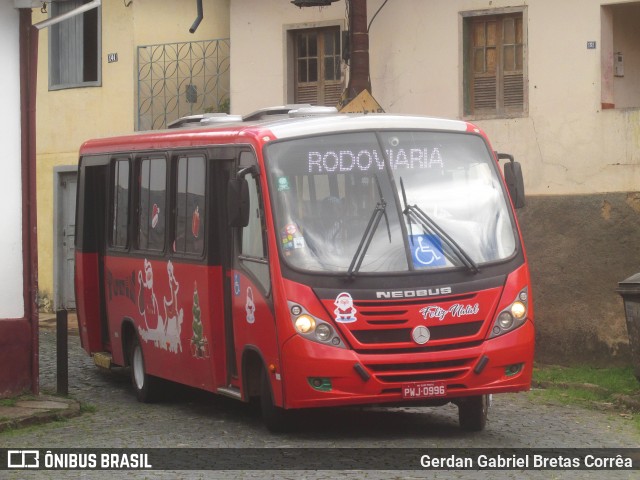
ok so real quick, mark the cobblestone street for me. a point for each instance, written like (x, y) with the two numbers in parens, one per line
(187, 418)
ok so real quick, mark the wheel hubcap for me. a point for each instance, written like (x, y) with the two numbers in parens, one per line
(138, 368)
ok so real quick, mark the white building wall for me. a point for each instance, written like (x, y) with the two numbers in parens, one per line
(566, 142)
(11, 296)
(258, 48)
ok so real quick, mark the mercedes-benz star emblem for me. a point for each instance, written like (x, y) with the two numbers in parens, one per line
(421, 334)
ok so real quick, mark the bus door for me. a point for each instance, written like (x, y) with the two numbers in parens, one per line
(251, 322)
(222, 261)
(92, 214)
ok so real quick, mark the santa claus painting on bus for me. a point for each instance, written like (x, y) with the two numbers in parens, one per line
(164, 332)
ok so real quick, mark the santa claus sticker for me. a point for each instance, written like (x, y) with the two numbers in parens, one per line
(250, 306)
(195, 222)
(155, 215)
(345, 311)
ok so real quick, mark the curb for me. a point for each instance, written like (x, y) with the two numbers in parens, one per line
(30, 410)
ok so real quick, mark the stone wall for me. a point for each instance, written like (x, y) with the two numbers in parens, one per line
(579, 248)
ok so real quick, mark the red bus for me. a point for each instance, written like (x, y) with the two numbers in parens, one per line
(309, 260)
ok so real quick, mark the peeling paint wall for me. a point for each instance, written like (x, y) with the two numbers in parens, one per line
(579, 248)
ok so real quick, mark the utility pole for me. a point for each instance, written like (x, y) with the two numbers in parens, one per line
(359, 78)
(359, 86)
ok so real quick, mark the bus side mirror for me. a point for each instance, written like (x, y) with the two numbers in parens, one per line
(238, 202)
(513, 178)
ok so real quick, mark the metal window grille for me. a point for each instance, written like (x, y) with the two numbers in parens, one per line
(178, 79)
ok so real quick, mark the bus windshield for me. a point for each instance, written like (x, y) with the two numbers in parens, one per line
(388, 201)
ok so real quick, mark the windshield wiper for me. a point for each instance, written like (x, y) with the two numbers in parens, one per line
(413, 212)
(379, 211)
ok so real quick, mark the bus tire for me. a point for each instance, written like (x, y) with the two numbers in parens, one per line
(473, 413)
(144, 384)
(276, 419)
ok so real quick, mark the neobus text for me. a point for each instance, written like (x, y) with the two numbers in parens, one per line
(427, 292)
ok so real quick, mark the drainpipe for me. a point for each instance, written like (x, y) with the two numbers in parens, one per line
(198, 19)
(28, 78)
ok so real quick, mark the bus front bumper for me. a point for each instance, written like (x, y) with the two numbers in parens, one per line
(316, 375)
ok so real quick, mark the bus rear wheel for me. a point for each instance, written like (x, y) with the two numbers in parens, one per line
(143, 384)
(473, 413)
(276, 419)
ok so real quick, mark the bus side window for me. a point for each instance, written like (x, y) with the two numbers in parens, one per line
(190, 205)
(253, 247)
(120, 203)
(152, 204)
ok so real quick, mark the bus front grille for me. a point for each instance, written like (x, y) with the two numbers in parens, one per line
(403, 335)
(421, 371)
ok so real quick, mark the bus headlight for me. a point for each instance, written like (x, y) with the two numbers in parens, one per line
(511, 317)
(313, 328)
(518, 310)
(305, 324)
(323, 332)
(505, 320)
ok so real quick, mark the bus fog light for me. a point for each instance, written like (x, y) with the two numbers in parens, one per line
(512, 370)
(320, 383)
(323, 332)
(518, 310)
(305, 324)
(505, 320)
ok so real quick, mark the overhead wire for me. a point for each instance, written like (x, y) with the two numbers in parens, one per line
(375, 14)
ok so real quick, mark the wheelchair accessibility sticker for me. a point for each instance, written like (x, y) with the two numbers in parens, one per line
(426, 251)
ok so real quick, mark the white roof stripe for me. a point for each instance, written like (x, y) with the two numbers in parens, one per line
(300, 127)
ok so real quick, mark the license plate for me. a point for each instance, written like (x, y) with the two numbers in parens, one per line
(423, 390)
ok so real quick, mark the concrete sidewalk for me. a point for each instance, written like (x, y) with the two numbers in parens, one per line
(48, 321)
(26, 410)
(35, 409)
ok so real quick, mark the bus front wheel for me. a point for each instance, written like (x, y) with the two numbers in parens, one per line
(275, 418)
(143, 383)
(473, 412)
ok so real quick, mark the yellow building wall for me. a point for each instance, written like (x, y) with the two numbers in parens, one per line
(66, 118)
